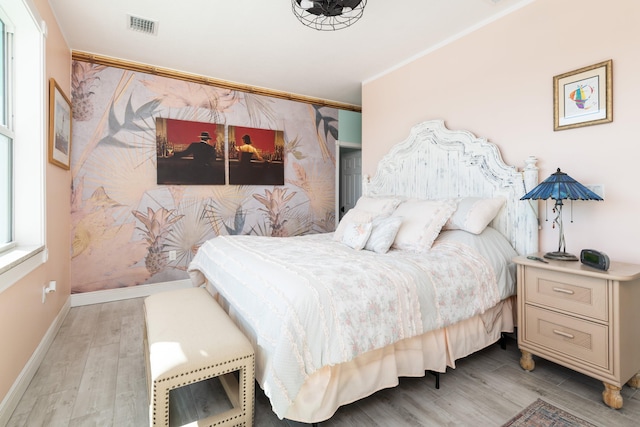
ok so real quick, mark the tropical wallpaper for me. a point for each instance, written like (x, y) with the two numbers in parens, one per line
(126, 230)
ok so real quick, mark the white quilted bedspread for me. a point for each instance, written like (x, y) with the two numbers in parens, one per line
(312, 301)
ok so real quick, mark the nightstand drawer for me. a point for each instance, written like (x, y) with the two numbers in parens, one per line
(580, 339)
(587, 296)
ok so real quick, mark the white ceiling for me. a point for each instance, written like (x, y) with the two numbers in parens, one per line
(261, 43)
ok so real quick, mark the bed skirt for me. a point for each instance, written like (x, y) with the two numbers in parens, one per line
(334, 386)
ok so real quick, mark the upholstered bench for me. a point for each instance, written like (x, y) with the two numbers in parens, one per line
(190, 338)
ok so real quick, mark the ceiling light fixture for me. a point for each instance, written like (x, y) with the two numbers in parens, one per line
(328, 15)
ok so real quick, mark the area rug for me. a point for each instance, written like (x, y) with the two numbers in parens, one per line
(544, 414)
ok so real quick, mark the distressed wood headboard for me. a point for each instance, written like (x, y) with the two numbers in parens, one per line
(437, 163)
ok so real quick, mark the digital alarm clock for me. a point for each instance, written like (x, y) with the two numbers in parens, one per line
(595, 259)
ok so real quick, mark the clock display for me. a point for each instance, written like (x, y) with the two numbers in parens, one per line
(595, 259)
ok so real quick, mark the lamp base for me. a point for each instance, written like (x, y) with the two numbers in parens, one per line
(561, 256)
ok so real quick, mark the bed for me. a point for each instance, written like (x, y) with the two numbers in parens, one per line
(416, 276)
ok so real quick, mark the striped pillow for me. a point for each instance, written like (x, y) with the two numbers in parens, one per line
(383, 232)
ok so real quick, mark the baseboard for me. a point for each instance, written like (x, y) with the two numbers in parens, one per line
(11, 400)
(98, 297)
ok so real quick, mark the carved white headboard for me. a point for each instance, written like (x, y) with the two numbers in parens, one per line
(437, 163)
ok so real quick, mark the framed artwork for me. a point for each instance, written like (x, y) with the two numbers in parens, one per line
(583, 97)
(59, 126)
(189, 153)
(256, 156)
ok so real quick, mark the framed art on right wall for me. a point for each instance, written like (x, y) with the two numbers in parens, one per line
(583, 97)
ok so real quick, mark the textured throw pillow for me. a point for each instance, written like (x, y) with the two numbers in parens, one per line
(382, 206)
(353, 215)
(473, 214)
(383, 232)
(422, 221)
(356, 234)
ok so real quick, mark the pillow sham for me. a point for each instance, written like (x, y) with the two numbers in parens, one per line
(354, 215)
(383, 233)
(422, 222)
(383, 206)
(356, 234)
(473, 214)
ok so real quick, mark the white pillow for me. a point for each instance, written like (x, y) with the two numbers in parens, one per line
(422, 222)
(356, 234)
(383, 206)
(383, 232)
(473, 214)
(353, 215)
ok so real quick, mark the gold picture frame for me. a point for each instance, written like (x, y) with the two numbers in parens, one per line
(60, 115)
(583, 97)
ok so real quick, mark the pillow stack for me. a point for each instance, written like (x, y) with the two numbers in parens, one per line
(372, 211)
(422, 221)
(380, 223)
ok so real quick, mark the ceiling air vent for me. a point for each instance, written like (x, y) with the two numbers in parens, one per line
(142, 25)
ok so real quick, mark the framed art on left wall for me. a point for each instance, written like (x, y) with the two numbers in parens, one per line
(59, 126)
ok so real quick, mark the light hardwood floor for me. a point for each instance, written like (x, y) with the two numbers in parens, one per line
(94, 375)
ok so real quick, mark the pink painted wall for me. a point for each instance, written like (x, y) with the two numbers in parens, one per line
(24, 320)
(497, 82)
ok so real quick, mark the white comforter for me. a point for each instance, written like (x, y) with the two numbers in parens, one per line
(311, 301)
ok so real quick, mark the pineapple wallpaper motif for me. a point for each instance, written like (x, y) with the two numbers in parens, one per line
(125, 226)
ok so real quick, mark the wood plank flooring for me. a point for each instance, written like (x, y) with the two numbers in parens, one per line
(94, 375)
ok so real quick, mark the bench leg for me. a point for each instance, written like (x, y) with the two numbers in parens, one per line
(159, 405)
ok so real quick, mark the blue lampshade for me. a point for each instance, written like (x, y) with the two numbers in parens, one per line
(560, 186)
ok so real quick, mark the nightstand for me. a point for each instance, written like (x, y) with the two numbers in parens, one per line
(582, 318)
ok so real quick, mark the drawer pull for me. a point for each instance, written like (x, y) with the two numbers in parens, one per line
(563, 334)
(563, 291)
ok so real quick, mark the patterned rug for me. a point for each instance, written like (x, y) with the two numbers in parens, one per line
(544, 414)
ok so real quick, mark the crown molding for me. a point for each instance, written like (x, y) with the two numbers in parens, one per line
(195, 78)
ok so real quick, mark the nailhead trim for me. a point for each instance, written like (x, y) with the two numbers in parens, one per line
(204, 368)
(245, 365)
(243, 369)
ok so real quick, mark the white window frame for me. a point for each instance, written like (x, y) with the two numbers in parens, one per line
(6, 124)
(28, 90)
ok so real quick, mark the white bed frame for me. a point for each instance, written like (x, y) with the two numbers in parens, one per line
(437, 163)
(432, 163)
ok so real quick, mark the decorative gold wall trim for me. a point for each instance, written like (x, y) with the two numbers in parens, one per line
(195, 78)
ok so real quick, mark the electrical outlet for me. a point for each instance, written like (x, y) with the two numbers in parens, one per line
(47, 289)
(172, 255)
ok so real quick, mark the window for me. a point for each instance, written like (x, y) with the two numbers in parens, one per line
(6, 193)
(6, 141)
(22, 140)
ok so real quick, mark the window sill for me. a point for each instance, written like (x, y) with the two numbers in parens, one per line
(18, 262)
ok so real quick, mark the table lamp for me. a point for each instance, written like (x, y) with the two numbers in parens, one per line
(560, 186)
